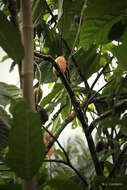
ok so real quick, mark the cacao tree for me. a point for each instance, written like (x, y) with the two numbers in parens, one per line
(77, 48)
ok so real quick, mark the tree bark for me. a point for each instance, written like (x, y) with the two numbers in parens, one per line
(27, 63)
(27, 68)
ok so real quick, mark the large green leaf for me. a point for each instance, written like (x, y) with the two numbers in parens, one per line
(10, 39)
(26, 148)
(95, 30)
(100, 16)
(68, 24)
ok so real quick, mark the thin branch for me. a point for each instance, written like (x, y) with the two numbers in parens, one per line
(61, 128)
(65, 153)
(96, 93)
(50, 12)
(79, 27)
(104, 115)
(101, 72)
(40, 75)
(77, 67)
(69, 165)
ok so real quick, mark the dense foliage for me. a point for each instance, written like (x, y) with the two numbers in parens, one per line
(92, 36)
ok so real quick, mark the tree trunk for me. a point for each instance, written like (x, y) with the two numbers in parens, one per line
(27, 68)
(27, 63)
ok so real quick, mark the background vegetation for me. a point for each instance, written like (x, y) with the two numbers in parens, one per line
(92, 36)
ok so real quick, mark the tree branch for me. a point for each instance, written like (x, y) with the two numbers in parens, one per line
(79, 27)
(69, 165)
(77, 67)
(104, 115)
(55, 139)
(61, 128)
(78, 111)
(101, 72)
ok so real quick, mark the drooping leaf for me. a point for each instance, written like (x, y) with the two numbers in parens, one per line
(10, 39)
(26, 148)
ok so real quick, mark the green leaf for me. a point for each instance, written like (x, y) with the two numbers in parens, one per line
(4, 132)
(100, 16)
(56, 124)
(74, 124)
(4, 58)
(66, 106)
(10, 39)
(8, 92)
(13, 90)
(62, 183)
(120, 53)
(87, 61)
(60, 8)
(26, 148)
(4, 96)
(95, 30)
(56, 89)
(38, 8)
(47, 72)
(68, 23)
(123, 123)
(116, 31)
